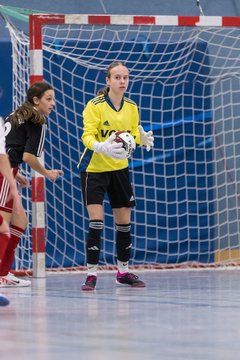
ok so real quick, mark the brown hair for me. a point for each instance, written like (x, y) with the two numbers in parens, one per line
(104, 91)
(27, 111)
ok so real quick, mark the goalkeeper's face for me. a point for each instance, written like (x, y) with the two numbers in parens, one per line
(46, 103)
(118, 80)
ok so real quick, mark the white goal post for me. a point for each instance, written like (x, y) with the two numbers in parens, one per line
(185, 78)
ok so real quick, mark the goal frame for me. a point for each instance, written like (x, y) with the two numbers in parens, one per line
(36, 22)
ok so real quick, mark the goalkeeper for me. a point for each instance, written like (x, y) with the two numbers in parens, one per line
(104, 169)
(25, 133)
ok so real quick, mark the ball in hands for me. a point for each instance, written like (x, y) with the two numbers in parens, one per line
(127, 140)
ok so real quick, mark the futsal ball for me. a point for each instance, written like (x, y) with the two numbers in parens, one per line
(3, 300)
(127, 140)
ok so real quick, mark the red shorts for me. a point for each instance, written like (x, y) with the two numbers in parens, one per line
(4, 192)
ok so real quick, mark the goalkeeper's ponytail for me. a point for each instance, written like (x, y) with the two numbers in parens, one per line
(103, 91)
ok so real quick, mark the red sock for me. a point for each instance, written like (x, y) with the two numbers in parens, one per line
(4, 239)
(15, 235)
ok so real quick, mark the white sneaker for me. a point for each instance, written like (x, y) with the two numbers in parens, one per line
(11, 280)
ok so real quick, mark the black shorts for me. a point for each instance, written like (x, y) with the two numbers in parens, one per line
(115, 183)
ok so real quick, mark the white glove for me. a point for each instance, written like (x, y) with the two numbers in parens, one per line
(110, 148)
(146, 138)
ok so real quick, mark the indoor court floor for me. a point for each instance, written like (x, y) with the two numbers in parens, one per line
(181, 314)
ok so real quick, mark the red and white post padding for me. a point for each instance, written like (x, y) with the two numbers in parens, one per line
(38, 188)
(38, 224)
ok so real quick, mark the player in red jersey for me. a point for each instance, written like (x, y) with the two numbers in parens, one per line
(5, 170)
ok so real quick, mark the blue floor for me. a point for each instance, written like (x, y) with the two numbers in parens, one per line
(179, 315)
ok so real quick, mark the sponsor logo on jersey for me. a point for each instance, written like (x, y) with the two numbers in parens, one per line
(108, 133)
(106, 123)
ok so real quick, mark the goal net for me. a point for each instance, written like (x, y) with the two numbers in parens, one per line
(185, 78)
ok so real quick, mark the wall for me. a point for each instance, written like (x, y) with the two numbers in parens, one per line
(76, 6)
(150, 7)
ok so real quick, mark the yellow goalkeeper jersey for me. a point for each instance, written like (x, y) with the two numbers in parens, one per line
(100, 120)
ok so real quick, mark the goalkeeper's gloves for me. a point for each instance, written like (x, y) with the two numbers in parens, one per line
(146, 138)
(110, 148)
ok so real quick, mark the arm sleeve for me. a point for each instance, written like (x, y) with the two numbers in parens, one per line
(2, 138)
(91, 120)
